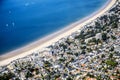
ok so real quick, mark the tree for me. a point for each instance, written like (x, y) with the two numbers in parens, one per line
(89, 49)
(63, 45)
(76, 54)
(113, 37)
(111, 55)
(112, 48)
(99, 77)
(90, 75)
(62, 59)
(83, 47)
(114, 25)
(69, 78)
(7, 76)
(111, 63)
(47, 64)
(83, 52)
(70, 53)
(103, 56)
(57, 76)
(104, 36)
(29, 74)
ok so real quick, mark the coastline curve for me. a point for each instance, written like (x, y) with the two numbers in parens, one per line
(52, 38)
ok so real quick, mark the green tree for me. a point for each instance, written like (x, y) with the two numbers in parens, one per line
(83, 52)
(111, 55)
(104, 36)
(112, 48)
(103, 55)
(111, 63)
(114, 25)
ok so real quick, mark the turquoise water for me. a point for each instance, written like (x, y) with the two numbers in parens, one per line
(24, 21)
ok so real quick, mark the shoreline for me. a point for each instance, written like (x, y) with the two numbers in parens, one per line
(52, 38)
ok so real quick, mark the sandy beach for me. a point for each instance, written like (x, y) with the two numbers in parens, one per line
(52, 38)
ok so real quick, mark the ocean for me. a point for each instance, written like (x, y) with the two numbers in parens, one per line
(25, 21)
